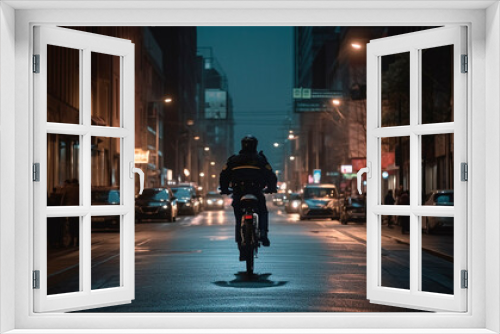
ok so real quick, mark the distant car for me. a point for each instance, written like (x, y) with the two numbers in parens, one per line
(292, 203)
(187, 201)
(105, 196)
(214, 201)
(353, 209)
(319, 201)
(278, 199)
(156, 203)
(439, 198)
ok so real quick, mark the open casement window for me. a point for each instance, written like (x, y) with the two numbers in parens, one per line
(416, 146)
(83, 125)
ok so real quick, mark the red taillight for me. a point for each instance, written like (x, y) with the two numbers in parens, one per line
(248, 217)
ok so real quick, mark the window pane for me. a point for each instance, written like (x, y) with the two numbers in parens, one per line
(437, 169)
(437, 84)
(437, 254)
(105, 89)
(395, 241)
(63, 255)
(63, 85)
(395, 168)
(395, 104)
(105, 252)
(105, 171)
(63, 170)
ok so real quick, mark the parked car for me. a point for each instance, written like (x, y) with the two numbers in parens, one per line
(156, 203)
(105, 196)
(353, 209)
(441, 198)
(214, 201)
(187, 201)
(319, 201)
(292, 203)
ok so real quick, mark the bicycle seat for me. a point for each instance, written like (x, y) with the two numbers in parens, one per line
(249, 197)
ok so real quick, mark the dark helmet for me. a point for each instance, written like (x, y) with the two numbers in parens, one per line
(249, 143)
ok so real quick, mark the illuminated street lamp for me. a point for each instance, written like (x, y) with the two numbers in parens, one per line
(212, 163)
(291, 136)
(292, 158)
(202, 174)
(189, 122)
(207, 148)
(214, 176)
(276, 144)
(336, 102)
(196, 138)
(168, 99)
(186, 172)
(356, 46)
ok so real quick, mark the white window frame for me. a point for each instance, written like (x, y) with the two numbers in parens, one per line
(484, 104)
(85, 43)
(414, 43)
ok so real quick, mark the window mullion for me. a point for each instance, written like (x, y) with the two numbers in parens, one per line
(415, 178)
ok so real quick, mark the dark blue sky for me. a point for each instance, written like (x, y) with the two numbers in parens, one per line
(258, 64)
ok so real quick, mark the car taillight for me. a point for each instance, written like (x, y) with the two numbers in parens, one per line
(248, 217)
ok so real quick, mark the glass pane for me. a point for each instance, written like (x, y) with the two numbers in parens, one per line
(437, 254)
(437, 169)
(395, 241)
(63, 255)
(395, 168)
(105, 171)
(105, 93)
(63, 85)
(63, 170)
(105, 252)
(395, 89)
(437, 85)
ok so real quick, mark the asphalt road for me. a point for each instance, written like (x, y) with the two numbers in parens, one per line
(312, 266)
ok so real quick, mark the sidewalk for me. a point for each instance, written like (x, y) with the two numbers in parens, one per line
(439, 244)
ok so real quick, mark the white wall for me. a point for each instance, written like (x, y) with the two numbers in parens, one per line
(492, 165)
(7, 157)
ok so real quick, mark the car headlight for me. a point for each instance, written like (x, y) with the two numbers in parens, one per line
(305, 206)
(188, 204)
(295, 204)
(165, 206)
(209, 201)
(220, 202)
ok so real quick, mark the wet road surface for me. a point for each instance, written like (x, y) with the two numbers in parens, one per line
(192, 266)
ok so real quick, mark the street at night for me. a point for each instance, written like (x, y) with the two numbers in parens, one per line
(191, 265)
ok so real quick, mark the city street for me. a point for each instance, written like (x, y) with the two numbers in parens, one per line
(192, 265)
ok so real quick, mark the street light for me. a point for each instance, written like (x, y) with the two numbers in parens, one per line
(336, 102)
(276, 144)
(212, 163)
(168, 100)
(196, 138)
(356, 46)
(292, 158)
(186, 172)
(202, 174)
(207, 148)
(291, 136)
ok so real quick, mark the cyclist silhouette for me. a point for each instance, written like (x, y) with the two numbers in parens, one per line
(249, 172)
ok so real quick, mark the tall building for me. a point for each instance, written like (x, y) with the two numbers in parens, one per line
(215, 113)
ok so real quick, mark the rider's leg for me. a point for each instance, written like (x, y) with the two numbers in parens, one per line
(237, 217)
(263, 221)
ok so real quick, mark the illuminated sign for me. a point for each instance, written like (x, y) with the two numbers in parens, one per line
(317, 175)
(346, 169)
(140, 156)
(215, 104)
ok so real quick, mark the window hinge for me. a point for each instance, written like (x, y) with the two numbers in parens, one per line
(465, 64)
(464, 173)
(36, 279)
(36, 63)
(465, 279)
(36, 172)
